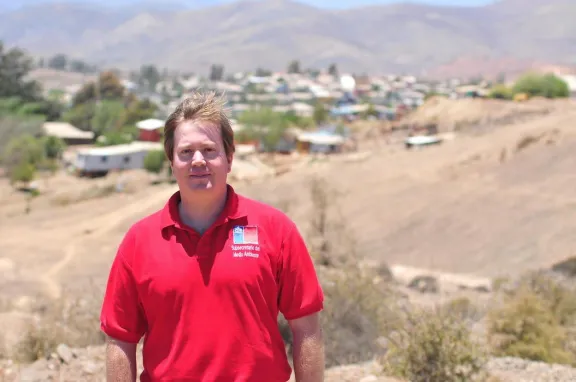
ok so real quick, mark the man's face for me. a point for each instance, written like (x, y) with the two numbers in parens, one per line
(200, 163)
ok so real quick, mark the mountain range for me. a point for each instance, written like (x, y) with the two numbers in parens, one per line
(246, 34)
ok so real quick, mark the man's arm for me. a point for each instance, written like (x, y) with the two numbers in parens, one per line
(120, 361)
(308, 348)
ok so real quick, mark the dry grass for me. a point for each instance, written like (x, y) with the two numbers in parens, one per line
(71, 320)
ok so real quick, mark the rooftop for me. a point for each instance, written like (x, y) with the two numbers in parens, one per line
(121, 149)
(64, 130)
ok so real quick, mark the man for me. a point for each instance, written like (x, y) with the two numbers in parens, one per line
(204, 278)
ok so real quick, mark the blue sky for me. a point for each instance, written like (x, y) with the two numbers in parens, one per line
(14, 4)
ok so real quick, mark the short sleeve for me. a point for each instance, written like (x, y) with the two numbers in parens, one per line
(122, 317)
(300, 292)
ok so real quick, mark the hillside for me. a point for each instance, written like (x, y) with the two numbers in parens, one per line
(247, 34)
(490, 202)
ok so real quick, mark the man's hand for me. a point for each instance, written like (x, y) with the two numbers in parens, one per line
(308, 348)
(120, 361)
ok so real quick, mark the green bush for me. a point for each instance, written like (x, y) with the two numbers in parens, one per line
(433, 346)
(501, 92)
(154, 161)
(536, 85)
(535, 320)
(22, 172)
(525, 327)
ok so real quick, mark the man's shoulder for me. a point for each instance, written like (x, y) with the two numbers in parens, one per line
(147, 223)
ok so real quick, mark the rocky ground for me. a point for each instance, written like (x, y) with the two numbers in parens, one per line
(87, 364)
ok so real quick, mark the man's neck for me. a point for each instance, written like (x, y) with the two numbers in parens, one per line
(200, 212)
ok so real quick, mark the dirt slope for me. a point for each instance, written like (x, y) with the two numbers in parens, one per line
(475, 204)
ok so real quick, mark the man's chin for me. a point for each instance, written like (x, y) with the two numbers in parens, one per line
(200, 184)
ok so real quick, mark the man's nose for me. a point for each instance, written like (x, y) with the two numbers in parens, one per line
(198, 159)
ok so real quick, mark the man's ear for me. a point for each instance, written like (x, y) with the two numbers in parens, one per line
(230, 159)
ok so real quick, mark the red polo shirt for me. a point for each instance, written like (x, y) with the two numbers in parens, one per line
(207, 305)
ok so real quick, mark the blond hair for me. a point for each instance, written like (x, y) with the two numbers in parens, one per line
(199, 107)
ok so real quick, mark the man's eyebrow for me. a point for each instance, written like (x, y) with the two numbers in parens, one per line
(202, 144)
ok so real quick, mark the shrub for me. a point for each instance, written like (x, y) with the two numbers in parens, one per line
(463, 308)
(536, 85)
(357, 311)
(566, 267)
(526, 328)
(433, 346)
(154, 161)
(534, 320)
(501, 91)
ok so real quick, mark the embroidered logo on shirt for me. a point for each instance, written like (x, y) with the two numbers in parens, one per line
(245, 234)
(245, 241)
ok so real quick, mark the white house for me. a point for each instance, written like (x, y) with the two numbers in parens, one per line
(101, 160)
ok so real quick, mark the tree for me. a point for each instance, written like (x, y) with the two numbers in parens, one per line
(53, 147)
(108, 116)
(81, 116)
(22, 172)
(23, 156)
(80, 66)
(294, 66)
(333, 70)
(149, 76)
(260, 72)
(107, 87)
(14, 68)
(320, 114)
(58, 62)
(216, 72)
(536, 85)
(138, 110)
(263, 125)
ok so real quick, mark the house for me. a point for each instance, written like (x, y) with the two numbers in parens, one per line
(150, 130)
(321, 141)
(95, 161)
(302, 109)
(70, 134)
(350, 111)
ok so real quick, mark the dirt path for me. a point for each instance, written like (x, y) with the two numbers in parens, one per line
(105, 223)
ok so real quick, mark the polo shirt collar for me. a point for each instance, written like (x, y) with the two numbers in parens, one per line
(233, 209)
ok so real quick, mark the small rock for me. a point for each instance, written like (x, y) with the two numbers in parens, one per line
(90, 367)
(425, 284)
(65, 353)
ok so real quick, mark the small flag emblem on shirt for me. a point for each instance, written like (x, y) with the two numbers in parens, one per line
(245, 235)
